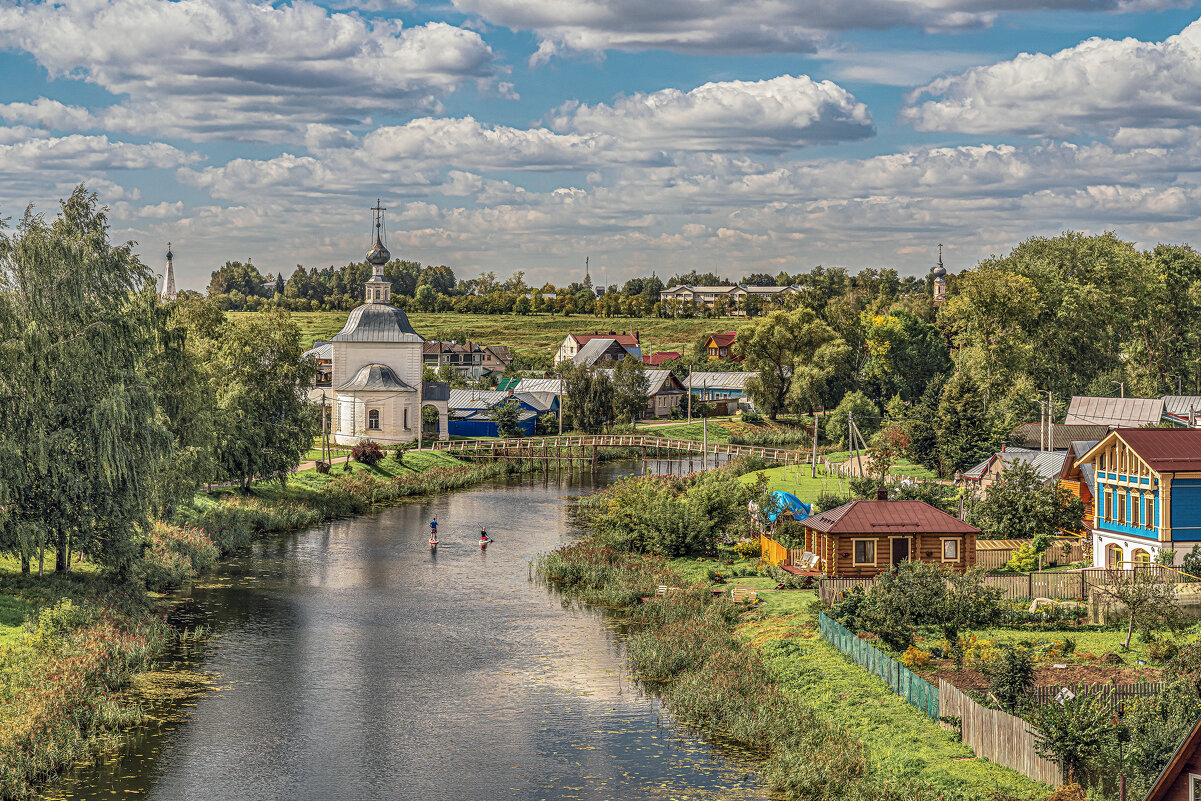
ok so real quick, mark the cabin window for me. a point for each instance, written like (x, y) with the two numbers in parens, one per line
(373, 420)
(1194, 787)
(950, 550)
(865, 552)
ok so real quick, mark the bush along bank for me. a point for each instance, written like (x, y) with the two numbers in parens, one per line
(62, 674)
(685, 645)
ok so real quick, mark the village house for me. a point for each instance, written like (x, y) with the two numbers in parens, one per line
(726, 391)
(1147, 496)
(1035, 436)
(664, 392)
(656, 359)
(466, 359)
(1180, 779)
(574, 342)
(720, 346)
(603, 349)
(1114, 412)
(323, 354)
(471, 411)
(979, 477)
(865, 538)
(1080, 479)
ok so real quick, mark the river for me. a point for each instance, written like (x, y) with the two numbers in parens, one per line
(351, 662)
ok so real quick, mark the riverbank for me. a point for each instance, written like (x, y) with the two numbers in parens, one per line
(763, 679)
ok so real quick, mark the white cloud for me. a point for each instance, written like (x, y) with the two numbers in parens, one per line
(770, 115)
(48, 114)
(79, 153)
(1099, 85)
(240, 68)
(746, 26)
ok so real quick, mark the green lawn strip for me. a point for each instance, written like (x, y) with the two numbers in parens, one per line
(901, 740)
(535, 334)
(796, 479)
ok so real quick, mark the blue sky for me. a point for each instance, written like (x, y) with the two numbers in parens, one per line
(725, 135)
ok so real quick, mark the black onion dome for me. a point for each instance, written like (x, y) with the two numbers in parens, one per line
(940, 271)
(378, 255)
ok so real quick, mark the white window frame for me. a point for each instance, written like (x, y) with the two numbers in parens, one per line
(958, 548)
(376, 426)
(854, 555)
(1194, 780)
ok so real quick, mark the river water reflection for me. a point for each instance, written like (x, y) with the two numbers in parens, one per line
(353, 663)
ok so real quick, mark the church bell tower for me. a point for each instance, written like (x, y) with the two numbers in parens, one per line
(379, 289)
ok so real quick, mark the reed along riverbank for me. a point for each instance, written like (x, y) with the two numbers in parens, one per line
(706, 657)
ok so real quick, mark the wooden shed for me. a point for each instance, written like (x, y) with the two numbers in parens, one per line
(864, 538)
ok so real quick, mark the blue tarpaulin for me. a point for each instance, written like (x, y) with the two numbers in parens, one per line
(787, 502)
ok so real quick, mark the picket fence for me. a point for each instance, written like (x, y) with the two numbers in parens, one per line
(1060, 585)
(904, 682)
(997, 736)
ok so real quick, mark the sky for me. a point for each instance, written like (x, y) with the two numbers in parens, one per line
(732, 136)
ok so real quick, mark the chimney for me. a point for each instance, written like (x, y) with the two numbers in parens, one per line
(882, 494)
(635, 336)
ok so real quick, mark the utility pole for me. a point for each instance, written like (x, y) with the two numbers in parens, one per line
(690, 394)
(560, 407)
(704, 432)
(813, 465)
(852, 430)
(1050, 422)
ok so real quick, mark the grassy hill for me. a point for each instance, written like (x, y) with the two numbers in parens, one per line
(532, 334)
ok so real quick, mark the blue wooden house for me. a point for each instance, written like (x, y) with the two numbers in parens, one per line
(1148, 494)
(471, 411)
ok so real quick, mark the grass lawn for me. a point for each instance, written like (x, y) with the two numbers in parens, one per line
(902, 741)
(796, 479)
(694, 430)
(532, 334)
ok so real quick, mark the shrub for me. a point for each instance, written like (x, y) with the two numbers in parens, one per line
(748, 549)
(1023, 559)
(174, 555)
(1011, 676)
(915, 657)
(1162, 651)
(367, 452)
(829, 499)
(752, 417)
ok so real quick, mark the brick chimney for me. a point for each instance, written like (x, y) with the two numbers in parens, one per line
(882, 494)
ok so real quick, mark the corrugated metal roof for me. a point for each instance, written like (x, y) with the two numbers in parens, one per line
(1114, 412)
(377, 322)
(887, 517)
(722, 340)
(1062, 434)
(1166, 450)
(1047, 464)
(554, 385)
(1180, 405)
(597, 348)
(655, 380)
(487, 398)
(718, 380)
(976, 471)
(323, 352)
(375, 377)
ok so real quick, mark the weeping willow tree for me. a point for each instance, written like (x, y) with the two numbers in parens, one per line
(81, 435)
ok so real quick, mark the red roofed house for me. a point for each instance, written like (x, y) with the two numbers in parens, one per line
(720, 346)
(1180, 780)
(656, 359)
(572, 344)
(864, 538)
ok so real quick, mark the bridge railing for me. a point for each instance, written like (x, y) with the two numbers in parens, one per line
(529, 444)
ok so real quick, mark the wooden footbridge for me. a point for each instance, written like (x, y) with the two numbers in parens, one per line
(585, 447)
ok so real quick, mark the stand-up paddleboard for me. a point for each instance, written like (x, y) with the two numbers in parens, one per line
(484, 542)
(433, 542)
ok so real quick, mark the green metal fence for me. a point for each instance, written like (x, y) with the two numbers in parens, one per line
(904, 682)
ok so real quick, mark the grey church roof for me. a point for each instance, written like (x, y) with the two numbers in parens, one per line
(373, 377)
(377, 322)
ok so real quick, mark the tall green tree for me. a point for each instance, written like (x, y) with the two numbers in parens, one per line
(797, 358)
(1020, 504)
(630, 387)
(82, 437)
(265, 422)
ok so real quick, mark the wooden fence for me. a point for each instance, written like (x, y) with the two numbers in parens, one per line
(997, 736)
(1059, 585)
(1115, 692)
(905, 683)
(995, 558)
(771, 551)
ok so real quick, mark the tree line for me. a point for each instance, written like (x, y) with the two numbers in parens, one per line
(1066, 315)
(115, 407)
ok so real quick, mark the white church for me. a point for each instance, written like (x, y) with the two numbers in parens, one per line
(377, 391)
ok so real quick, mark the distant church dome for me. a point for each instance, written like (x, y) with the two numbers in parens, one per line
(939, 270)
(378, 255)
(377, 322)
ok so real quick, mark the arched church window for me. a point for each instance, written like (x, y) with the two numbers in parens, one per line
(377, 294)
(406, 418)
(373, 419)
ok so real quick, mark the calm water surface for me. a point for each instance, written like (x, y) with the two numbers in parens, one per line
(353, 663)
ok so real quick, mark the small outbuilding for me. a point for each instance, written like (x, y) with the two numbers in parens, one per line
(864, 538)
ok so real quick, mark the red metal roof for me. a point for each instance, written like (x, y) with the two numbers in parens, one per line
(626, 340)
(887, 517)
(724, 340)
(1165, 450)
(655, 359)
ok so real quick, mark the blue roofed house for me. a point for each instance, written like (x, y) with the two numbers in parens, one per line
(471, 411)
(1148, 494)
